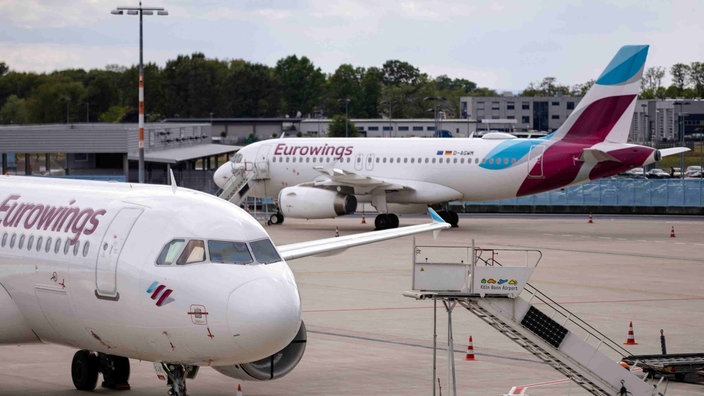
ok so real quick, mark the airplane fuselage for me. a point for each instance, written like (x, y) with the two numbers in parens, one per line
(75, 270)
(438, 169)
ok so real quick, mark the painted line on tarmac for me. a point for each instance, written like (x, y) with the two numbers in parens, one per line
(409, 344)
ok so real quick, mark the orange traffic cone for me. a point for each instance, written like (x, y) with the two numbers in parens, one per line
(364, 221)
(470, 350)
(590, 218)
(672, 232)
(239, 390)
(631, 338)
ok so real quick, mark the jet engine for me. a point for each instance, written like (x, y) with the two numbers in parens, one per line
(272, 367)
(315, 203)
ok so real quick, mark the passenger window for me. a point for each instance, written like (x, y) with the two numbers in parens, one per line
(39, 243)
(67, 245)
(229, 252)
(193, 253)
(170, 252)
(21, 244)
(86, 247)
(12, 240)
(4, 239)
(57, 245)
(30, 242)
(48, 245)
(76, 247)
(264, 251)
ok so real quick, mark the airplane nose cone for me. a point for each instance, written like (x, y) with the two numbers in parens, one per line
(222, 175)
(264, 315)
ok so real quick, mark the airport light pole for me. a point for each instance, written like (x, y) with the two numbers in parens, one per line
(347, 113)
(140, 11)
(435, 109)
(681, 119)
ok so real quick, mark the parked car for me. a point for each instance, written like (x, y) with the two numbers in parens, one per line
(693, 171)
(635, 173)
(657, 173)
(675, 172)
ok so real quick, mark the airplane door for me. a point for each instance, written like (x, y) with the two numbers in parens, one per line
(535, 162)
(261, 163)
(358, 162)
(109, 253)
(369, 165)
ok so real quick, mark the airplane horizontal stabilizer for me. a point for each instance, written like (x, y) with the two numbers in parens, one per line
(594, 156)
(673, 151)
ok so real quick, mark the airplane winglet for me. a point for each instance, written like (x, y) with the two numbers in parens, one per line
(436, 219)
(173, 181)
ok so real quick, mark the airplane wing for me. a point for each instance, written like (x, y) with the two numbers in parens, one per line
(337, 244)
(361, 184)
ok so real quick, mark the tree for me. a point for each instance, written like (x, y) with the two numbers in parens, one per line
(301, 84)
(581, 89)
(4, 68)
(251, 90)
(696, 78)
(13, 111)
(396, 72)
(652, 79)
(337, 127)
(679, 73)
(547, 87)
(371, 87)
(54, 101)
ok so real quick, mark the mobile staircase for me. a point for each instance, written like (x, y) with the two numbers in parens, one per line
(499, 294)
(237, 187)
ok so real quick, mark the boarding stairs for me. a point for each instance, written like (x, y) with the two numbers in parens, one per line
(551, 333)
(237, 187)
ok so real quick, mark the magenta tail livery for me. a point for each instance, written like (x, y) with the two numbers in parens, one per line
(329, 177)
(173, 276)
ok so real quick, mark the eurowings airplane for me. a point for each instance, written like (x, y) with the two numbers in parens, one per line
(327, 177)
(156, 273)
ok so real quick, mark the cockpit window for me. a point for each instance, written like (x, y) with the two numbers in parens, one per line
(229, 252)
(170, 252)
(193, 253)
(264, 251)
(237, 158)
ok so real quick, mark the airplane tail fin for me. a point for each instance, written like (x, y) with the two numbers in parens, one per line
(606, 111)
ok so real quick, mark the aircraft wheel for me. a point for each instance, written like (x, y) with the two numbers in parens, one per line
(393, 220)
(116, 372)
(276, 218)
(84, 370)
(454, 219)
(381, 222)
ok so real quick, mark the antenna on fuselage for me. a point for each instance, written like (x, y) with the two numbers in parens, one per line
(173, 180)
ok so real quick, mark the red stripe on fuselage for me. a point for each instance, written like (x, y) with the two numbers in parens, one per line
(560, 166)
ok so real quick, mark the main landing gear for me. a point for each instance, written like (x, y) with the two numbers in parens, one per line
(450, 217)
(86, 366)
(276, 218)
(386, 220)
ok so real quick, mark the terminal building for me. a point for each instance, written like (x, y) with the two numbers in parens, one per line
(110, 152)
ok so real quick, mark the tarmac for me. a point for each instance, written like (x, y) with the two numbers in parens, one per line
(366, 338)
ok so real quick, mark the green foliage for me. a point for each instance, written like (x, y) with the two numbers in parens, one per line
(113, 114)
(13, 111)
(547, 87)
(337, 127)
(301, 84)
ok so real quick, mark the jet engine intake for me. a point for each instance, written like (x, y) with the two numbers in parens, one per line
(315, 203)
(272, 367)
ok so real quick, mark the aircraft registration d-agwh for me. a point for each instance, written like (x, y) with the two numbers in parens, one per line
(327, 177)
(157, 273)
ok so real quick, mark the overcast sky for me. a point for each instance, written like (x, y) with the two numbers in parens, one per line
(497, 44)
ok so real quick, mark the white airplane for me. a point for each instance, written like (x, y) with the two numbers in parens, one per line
(157, 273)
(327, 177)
